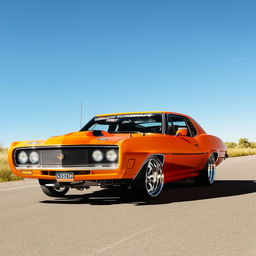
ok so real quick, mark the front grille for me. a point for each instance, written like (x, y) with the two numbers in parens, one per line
(66, 156)
(72, 157)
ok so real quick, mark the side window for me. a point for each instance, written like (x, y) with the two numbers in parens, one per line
(192, 128)
(175, 123)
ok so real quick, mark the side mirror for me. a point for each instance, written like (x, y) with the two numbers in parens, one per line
(182, 132)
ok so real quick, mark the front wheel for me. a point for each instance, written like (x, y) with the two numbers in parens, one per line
(54, 192)
(150, 181)
(206, 176)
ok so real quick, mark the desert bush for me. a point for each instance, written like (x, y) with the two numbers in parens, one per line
(234, 152)
(5, 172)
(253, 144)
(230, 144)
(244, 147)
(244, 143)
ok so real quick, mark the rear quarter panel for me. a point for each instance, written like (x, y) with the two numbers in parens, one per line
(209, 143)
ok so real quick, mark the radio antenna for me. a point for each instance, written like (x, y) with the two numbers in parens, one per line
(81, 115)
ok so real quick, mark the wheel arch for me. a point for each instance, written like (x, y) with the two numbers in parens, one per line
(216, 155)
(161, 158)
(209, 154)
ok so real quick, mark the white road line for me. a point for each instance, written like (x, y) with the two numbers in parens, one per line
(6, 189)
(106, 248)
(27, 182)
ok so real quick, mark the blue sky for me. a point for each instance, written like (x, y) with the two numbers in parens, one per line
(192, 57)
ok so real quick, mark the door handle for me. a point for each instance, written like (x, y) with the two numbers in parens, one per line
(196, 145)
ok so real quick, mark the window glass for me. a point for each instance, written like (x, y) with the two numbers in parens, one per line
(175, 123)
(127, 123)
(100, 127)
(192, 128)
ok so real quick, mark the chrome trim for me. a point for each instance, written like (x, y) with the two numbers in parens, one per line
(181, 154)
(19, 167)
(114, 167)
(66, 146)
(211, 169)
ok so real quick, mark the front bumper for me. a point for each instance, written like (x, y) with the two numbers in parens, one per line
(79, 175)
(129, 163)
(128, 167)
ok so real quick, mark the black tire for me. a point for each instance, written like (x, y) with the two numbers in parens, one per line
(54, 192)
(150, 181)
(206, 176)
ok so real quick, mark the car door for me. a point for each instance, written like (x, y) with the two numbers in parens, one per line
(185, 154)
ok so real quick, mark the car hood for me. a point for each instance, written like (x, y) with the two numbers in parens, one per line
(76, 138)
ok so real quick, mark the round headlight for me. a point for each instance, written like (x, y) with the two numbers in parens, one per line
(97, 155)
(111, 155)
(22, 157)
(33, 157)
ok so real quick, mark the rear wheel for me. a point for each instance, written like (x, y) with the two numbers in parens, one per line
(150, 181)
(207, 175)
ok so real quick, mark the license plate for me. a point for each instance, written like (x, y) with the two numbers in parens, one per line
(64, 176)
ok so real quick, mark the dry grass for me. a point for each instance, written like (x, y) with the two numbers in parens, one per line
(234, 152)
(5, 172)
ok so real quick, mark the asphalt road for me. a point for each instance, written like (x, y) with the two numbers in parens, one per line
(186, 220)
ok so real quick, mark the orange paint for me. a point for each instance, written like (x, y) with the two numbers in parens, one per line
(183, 156)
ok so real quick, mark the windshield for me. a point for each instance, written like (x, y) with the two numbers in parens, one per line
(130, 123)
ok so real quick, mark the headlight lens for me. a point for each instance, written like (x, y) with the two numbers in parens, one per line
(97, 155)
(111, 155)
(22, 157)
(33, 157)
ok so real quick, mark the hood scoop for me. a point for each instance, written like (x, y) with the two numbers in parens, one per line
(97, 133)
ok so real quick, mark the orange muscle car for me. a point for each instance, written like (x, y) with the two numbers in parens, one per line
(140, 151)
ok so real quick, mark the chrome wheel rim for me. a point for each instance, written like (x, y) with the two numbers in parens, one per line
(154, 179)
(211, 170)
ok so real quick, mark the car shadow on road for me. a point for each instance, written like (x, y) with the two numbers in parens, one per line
(173, 192)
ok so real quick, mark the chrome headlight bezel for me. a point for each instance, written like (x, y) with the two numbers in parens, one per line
(33, 157)
(111, 155)
(104, 156)
(97, 155)
(22, 157)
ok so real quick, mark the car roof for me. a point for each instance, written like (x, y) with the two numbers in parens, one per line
(145, 112)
